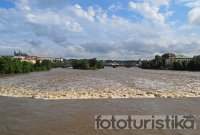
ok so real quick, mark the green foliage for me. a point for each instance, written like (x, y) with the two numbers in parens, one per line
(80, 64)
(46, 64)
(99, 65)
(180, 65)
(87, 64)
(159, 63)
(17, 66)
(26, 67)
(58, 64)
(194, 64)
(92, 62)
(168, 55)
(177, 66)
(146, 64)
(4, 65)
(9, 66)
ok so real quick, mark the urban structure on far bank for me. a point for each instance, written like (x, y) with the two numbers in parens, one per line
(25, 57)
(170, 59)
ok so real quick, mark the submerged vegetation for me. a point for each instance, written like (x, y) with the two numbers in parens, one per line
(87, 64)
(10, 66)
(171, 62)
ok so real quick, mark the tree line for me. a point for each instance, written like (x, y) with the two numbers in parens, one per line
(87, 64)
(15, 66)
(159, 62)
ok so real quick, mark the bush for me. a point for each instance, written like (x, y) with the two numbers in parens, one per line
(99, 65)
(177, 66)
(4, 67)
(46, 64)
(145, 65)
(58, 64)
(159, 63)
(87, 64)
(9, 66)
(92, 62)
(17, 66)
(26, 67)
(194, 64)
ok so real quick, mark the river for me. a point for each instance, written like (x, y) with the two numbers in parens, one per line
(65, 101)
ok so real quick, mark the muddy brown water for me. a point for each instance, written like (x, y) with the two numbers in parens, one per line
(108, 78)
(120, 82)
(25, 116)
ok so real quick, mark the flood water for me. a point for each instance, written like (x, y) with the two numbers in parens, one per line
(120, 80)
(27, 116)
(126, 78)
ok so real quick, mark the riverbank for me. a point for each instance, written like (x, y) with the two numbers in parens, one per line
(105, 83)
(24, 116)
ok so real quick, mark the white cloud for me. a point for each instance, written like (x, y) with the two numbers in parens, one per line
(190, 3)
(194, 13)
(23, 5)
(41, 28)
(115, 7)
(148, 11)
(194, 16)
(89, 14)
(52, 19)
(158, 2)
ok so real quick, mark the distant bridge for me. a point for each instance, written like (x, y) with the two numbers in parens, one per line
(117, 63)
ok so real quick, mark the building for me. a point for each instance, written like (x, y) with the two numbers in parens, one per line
(126, 63)
(31, 59)
(24, 57)
(178, 58)
(58, 59)
(20, 53)
(45, 58)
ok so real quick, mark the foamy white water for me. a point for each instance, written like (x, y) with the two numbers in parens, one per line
(108, 83)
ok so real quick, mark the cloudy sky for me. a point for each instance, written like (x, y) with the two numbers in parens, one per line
(105, 29)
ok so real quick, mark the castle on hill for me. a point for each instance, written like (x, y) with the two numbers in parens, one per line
(20, 53)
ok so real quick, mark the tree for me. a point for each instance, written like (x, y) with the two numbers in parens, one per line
(100, 65)
(26, 67)
(177, 66)
(47, 64)
(146, 64)
(84, 64)
(9, 66)
(194, 64)
(17, 66)
(87, 64)
(168, 55)
(92, 62)
(157, 62)
(3, 66)
(184, 65)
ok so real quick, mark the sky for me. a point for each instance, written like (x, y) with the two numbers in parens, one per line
(105, 29)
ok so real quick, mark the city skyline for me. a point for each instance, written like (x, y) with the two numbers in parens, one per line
(115, 29)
